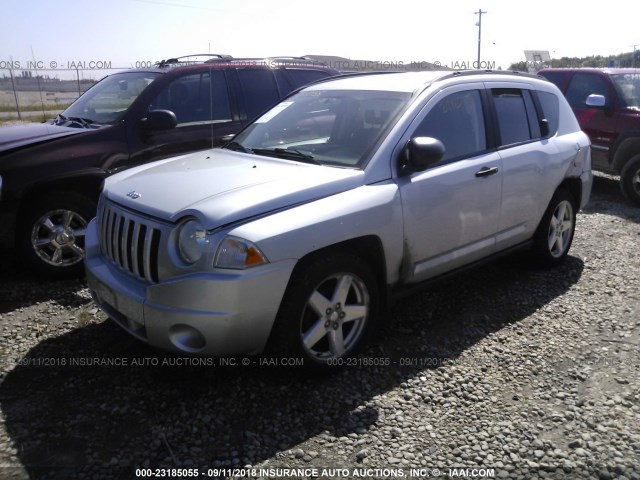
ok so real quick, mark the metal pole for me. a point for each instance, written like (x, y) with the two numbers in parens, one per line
(479, 13)
(35, 64)
(15, 95)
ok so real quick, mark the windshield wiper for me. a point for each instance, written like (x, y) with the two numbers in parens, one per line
(60, 118)
(85, 122)
(287, 153)
(237, 147)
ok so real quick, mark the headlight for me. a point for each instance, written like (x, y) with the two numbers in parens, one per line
(235, 252)
(192, 239)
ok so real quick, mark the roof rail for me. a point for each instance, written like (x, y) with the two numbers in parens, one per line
(286, 57)
(282, 58)
(465, 73)
(179, 60)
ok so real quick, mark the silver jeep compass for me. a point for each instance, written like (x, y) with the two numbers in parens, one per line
(294, 235)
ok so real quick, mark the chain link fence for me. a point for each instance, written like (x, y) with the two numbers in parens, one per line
(40, 94)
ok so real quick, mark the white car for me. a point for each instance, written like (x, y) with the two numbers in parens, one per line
(296, 235)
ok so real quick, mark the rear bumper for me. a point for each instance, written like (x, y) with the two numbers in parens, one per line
(587, 185)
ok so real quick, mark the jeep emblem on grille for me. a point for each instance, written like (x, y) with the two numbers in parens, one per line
(133, 194)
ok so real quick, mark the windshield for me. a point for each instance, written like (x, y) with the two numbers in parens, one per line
(628, 85)
(338, 127)
(107, 101)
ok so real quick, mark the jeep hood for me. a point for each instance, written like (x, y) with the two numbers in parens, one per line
(220, 186)
(20, 135)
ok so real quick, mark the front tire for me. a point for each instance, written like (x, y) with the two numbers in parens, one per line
(554, 235)
(328, 311)
(630, 180)
(51, 233)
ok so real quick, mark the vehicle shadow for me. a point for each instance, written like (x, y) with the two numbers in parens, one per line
(607, 198)
(85, 419)
(17, 286)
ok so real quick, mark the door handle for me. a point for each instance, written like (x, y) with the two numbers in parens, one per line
(486, 171)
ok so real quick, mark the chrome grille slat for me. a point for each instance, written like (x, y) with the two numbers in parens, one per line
(130, 242)
(104, 214)
(146, 254)
(123, 245)
(116, 243)
(134, 249)
(110, 235)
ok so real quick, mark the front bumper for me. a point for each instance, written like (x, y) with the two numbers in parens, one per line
(209, 313)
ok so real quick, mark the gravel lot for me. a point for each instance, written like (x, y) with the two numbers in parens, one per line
(533, 373)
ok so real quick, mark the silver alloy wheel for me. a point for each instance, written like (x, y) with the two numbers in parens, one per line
(58, 237)
(560, 229)
(335, 316)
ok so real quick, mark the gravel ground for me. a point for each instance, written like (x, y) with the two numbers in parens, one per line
(533, 373)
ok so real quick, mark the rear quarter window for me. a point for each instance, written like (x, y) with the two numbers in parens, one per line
(550, 110)
(299, 78)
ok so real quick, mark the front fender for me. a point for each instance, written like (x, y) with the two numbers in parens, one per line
(369, 210)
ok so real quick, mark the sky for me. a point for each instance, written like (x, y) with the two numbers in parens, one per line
(124, 33)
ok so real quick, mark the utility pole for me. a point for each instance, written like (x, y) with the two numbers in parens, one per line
(633, 57)
(479, 13)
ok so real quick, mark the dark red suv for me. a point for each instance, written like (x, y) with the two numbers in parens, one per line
(50, 173)
(607, 105)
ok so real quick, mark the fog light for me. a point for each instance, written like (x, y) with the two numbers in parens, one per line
(187, 338)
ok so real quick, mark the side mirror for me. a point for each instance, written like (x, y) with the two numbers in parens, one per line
(159, 120)
(596, 101)
(419, 154)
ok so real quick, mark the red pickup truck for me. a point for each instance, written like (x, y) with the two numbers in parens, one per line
(607, 105)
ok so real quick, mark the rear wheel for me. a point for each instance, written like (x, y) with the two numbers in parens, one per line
(51, 233)
(328, 311)
(630, 180)
(553, 238)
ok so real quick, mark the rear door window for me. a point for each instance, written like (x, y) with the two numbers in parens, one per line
(194, 98)
(259, 89)
(557, 78)
(517, 118)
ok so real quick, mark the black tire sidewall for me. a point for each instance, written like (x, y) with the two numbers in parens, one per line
(626, 175)
(81, 205)
(285, 339)
(541, 246)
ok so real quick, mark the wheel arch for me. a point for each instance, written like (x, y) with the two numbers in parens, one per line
(368, 248)
(626, 147)
(574, 187)
(87, 186)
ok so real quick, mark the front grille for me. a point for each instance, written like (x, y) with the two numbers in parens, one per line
(131, 243)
